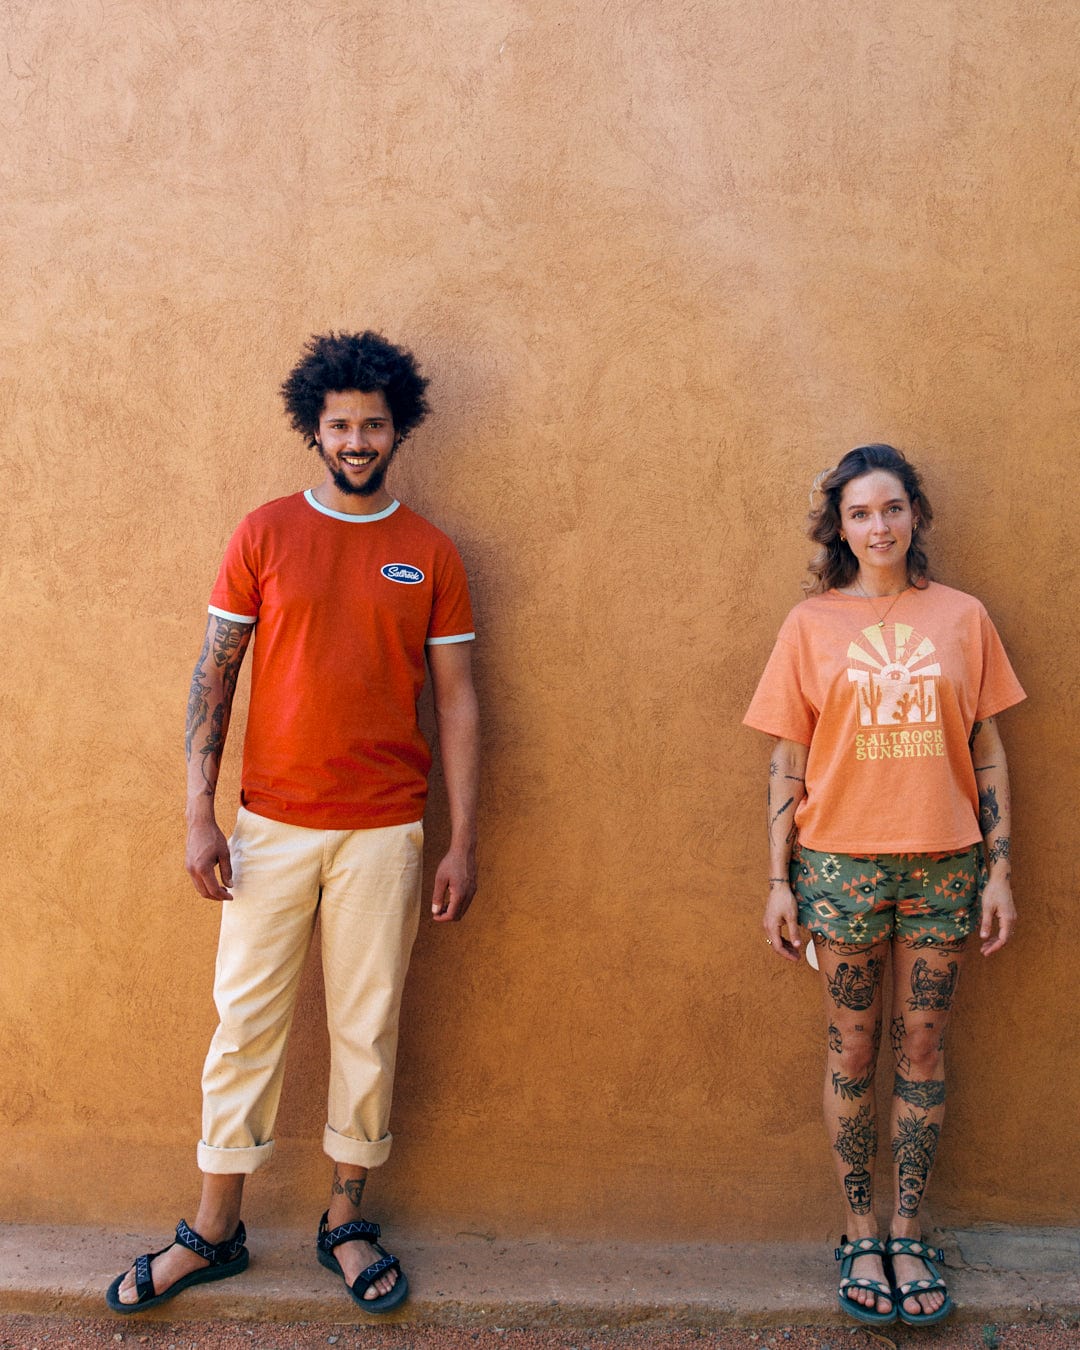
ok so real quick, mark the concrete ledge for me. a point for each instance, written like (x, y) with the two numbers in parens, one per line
(996, 1275)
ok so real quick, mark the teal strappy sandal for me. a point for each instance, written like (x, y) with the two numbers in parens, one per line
(847, 1253)
(927, 1255)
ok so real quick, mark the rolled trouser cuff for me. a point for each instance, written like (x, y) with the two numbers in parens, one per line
(359, 1152)
(231, 1161)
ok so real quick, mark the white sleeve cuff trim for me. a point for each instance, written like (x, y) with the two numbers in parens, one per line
(236, 618)
(458, 637)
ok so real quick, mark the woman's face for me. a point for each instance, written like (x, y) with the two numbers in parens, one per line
(877, 520)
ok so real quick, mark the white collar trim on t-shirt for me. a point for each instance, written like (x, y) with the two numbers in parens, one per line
(312, 500)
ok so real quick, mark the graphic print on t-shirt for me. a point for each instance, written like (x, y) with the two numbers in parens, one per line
(894, 683)
(894, 679)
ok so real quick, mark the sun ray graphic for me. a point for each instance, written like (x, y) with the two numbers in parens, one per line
(893, 676)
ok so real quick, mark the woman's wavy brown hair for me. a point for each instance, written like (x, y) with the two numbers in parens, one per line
(834, 564)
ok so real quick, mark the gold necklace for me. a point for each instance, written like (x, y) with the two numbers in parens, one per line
(896, 597)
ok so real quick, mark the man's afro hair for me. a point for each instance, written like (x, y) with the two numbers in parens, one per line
(365, 361)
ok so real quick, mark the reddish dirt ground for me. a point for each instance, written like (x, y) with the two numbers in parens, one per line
(45, 1333)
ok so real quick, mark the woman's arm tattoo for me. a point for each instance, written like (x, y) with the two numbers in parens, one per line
(999, 849)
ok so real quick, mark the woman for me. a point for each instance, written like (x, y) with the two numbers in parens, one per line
(888, 812)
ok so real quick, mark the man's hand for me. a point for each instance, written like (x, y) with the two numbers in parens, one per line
(455, 886)
(459, 747)
(207, 850)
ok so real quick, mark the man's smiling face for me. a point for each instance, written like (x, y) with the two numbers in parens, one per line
(356, 441)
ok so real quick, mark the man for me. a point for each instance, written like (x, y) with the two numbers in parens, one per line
(347, 592)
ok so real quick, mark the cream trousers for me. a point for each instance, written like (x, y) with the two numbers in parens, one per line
(365, 887)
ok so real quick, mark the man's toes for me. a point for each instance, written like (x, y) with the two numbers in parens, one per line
(382, 1285)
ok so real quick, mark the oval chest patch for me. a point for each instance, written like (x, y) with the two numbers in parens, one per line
(403, 572)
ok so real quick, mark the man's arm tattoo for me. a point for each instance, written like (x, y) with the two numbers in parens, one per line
(229, 643)
(212, 747)
(197, 710)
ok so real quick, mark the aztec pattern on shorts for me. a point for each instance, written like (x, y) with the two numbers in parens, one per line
(926, 899)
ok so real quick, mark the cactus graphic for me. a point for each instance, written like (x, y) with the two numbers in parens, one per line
(872, 695)
(899, 688)
(924, 698)
(904, 705)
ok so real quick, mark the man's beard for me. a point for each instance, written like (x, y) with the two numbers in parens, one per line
(369, 487)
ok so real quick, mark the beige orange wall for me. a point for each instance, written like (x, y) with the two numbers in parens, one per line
(663, 262)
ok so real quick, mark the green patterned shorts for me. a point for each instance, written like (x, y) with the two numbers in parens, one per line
(925, 899)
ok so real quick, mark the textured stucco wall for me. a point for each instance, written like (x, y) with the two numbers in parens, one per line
(663, 262)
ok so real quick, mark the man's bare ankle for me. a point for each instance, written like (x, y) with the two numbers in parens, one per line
(215, 1228)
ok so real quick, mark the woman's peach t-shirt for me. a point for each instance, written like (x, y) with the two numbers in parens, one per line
(887, 712)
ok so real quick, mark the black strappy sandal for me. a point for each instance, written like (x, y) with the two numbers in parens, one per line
(226, 1258)
(362, 1231)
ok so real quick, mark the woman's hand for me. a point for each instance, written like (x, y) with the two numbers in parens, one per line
(997, 905)
(995, 821)
(787, 788)
(782, 912)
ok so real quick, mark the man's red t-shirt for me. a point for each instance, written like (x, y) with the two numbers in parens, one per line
(344, 607)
